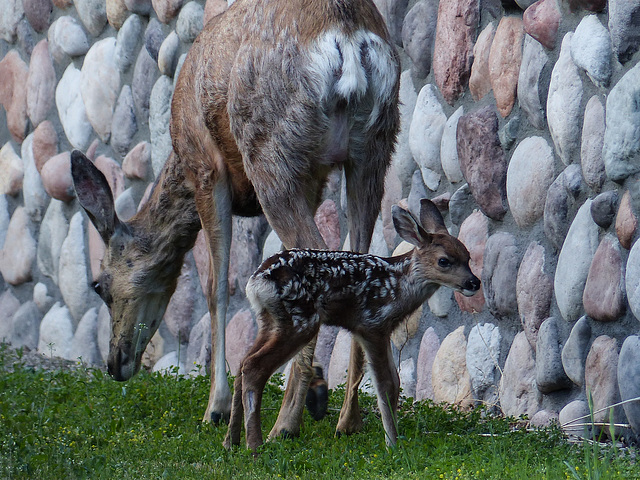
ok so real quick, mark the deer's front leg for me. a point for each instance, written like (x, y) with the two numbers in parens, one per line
(215, 216)
(235, 421)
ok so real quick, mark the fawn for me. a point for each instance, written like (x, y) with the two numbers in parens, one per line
(295, 291)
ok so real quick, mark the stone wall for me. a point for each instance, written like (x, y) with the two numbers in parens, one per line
(521, 118)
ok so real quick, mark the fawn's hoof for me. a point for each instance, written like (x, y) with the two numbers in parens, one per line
(216, 418)
(317, 400)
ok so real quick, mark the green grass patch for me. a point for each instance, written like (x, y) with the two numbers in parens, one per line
(82, 424)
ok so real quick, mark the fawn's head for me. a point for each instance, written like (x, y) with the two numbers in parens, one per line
(438, 257)
(136, 296)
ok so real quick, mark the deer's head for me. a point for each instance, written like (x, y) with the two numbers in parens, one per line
(136, 293)
(438, 257)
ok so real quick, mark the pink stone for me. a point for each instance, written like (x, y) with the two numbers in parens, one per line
(179, 314)
(56, 177)
(240, 334)
(166, 9)
(604, 293)
(504, 62)
(480, 82)
(45, 143)
(19, 251)
(13, 93)
(429, 346)
(474, 233)
(145, 196)
(38, 12)
(519, 394)
(12, 171)
(601, 378)
(450, 377)
(41, 83)
(213, 8)
(541, 20)
(112, 170)
(452, 55)
(626, 221)
(328, 223)
(137, 162)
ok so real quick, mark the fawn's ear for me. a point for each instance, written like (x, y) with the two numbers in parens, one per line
(431, 218)
(407, 226)
(94, 194)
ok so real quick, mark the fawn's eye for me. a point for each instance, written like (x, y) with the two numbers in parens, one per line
(97, 287)
(444, 262)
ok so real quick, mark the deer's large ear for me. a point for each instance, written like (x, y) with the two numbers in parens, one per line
(407, 226)
(94, 194)
(431, 218)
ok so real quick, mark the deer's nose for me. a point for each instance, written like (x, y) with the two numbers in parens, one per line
(472, 284)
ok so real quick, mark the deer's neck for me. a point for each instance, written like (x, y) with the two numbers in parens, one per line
(168, 223)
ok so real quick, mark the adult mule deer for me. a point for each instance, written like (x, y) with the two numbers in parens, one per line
(296, 291)
(272, 96)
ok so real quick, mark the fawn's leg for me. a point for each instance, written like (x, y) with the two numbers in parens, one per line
(350, 420)
(387, 383)
(235, 421)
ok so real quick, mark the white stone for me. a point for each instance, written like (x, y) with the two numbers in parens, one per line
(67, 38)
(41, 297)
(449, 148)
(483, 357)
(53, 231)
(591, 50)
(84, 345)
(4, 219)
(93, 14)
(534, 58)
(71, 109)
(72, 276)
(11, 171)
(126, 42)
(19, 250)
(34, 195)
(159, 117)
(168, 363)
(56, 332)
(403, 161)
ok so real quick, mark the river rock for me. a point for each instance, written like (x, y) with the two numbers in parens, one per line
(593, 130)
(429, 346)
(45, 143)
(500, 267)
(406, 330)
(628, 374)
(402, 160)
(26, 326)
(100, 85)
(12, 171)
(633, 279)
(247, 236)
(19, 251)
(113, 173)
(449, 148)
(337, 374)
(84, 345)
(482, 161)
(591, 50)
(449, 374)
(56, 177)
(13, 93)
(53, 231)
(474, 233)
(575, 350)
(564, 112)
(41, 83)
(199, 347)
(418, 35)
(190, 21)
(72, 277)
(504, 62)
(12, 12)
(519, 394)
(179, 314)
(480, 80)
(550, 375)
(117, 13)
(573, 416)
(127, 41)
(159, 119)
(534, 291)
(93, 14)
(561, 204)
(168, 54)
(328, 223)
(145, 73)
(461, 204)
(624, 25)
(532, 94)
(453, 55)
(56, 332)
(124, 125)
(41, 297)
(166, 9)
(483, 355)
(530, 173)
(71, 109)
(425, 134)
(67, 39)
(137, 163)
(169, 364)
(621, 149)
(604, 292)
(604, 207)
(541, 20)
(324, 346)
(9, 305)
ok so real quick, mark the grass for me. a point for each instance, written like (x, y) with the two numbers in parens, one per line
(81, 424)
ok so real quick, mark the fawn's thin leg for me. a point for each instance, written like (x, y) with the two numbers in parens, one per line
(235, 420)
(387, 383)
(350, 420)
(215, 216)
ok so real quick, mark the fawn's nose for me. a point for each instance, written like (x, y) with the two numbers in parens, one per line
(472, 284)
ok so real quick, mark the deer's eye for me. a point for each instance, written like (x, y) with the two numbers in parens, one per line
(444, 262)
(97, 287)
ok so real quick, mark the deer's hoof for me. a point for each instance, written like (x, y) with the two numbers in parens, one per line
(317, 400)
(216, 418)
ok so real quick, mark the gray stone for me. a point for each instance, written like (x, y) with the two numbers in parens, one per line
(530, 174)
(41, 297)
(561, 204)
(407, 374)
(124, 124)
(402, 160)
(127, 41)
(624, 18)
(84, 346)
(241, 332)
(26, 326)
(33, 193)
(519, 394)
(550, 375)
(593, 130)
(179, 314)
(169, 364)
(449, 148)
(575, 350)
(393, 12)
(93, 14)
(199, 347)
(573, 263)
(449, 375)
(9, 305)
(429, 346)
(145, 73)
(499, 268)
(508, 134)
(483, 356)
(71, 109)
(324, 346)
(67, 39)
(153, 38)
(425, 135)
(591, 50)
(126, 205)
(19, 251)
(72, 276)
(417, 192)
(159, 116)
(621, 149)
(604, 208)
(632, 279)
(141, 7)
(337, 374)
(628, 374)
(573, 416)
(168, 54)
(190, 21)
(10, 15)
(480, 80)
(53, 231)
(564, 112)
(474, 233)
(418, 35)
(534, 290)
(461, 204)
(99, 85)
(104, 331)
(56, 332)
(532, 97)
(441, 302)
